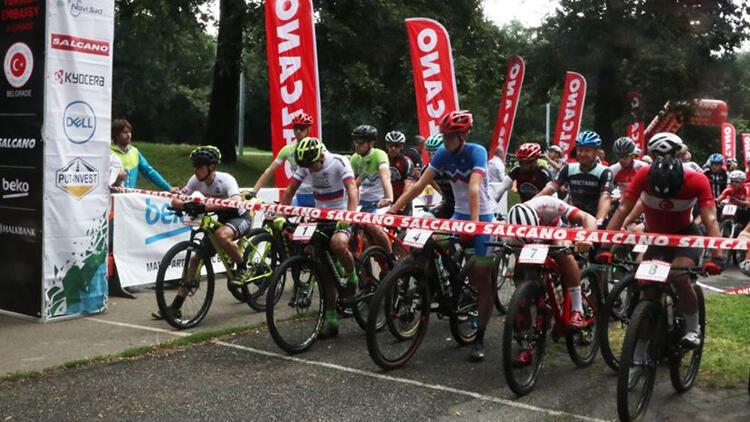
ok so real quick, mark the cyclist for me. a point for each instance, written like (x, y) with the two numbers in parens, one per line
(373, 175)
(529, 176)
(731, 164)
(687, 161)
(589, 182)
(550, 211)
(627, 166)
(414, 153)
(555, 160)
(737, 195)
(496, 167)
(402, 168)
(333, 187)
(236, 222)
(442, 182)
(716, 174)
(301, 125)
(466, 165)
(668, 193)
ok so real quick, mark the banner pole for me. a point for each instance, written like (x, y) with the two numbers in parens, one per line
(546, 135)
(241, 115)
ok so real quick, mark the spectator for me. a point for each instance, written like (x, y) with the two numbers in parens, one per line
(415, 154)
(133, 162)
(555, 160)
(496, 167)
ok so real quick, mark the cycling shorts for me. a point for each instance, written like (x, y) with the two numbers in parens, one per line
(304, 200)
(240, 225)
(479, 246)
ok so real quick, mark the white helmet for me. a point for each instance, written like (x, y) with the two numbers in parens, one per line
(647, 159)
(523, 214)
(665, 143)
(737, 176)
(395, 137)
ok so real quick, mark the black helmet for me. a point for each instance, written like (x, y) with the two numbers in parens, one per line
(623, 147)
(205, 154)
(308, 151)
(666, 177)
(365, 132)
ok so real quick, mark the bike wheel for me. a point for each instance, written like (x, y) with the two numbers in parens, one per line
(236, 291)
(295, 301)
(464, 319)
(583, 344)
(635, 379)
(372, 267)
(684, 365)
(614, 319)
(505, 283)
(196, 288)
(403, 301)
(524, 334)
(727, 231)
(262, 254)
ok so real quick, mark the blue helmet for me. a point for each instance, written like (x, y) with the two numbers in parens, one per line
(589, 138)
(716, 158)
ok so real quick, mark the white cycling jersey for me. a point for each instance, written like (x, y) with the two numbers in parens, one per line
(328, 182)
(551, 210)
(223, 186)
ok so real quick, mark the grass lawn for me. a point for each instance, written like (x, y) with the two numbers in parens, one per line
(726, 355)
(173, 162)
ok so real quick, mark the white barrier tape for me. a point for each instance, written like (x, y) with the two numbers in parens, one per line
(471, 227)
(744, 290)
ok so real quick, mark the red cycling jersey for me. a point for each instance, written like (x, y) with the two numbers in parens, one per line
(670, 215)
(736, 196)
(401, 171)
(623, 175)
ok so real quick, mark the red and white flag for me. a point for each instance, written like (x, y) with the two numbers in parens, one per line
(746, 148)
(506, 114)
(434, 79)
(292, 72)
(571, 111)
(635, 132)
(728, 135)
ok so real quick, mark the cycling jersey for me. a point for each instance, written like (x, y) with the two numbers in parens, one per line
(328, 182)
(692, 165)
(367, 168)
(586, 187)
(670, 215)
(223, 186)
(287, 154)
(551, 210)
(402, 169)
(459, 167)
(736, 196)
(553, 172)
(415, 155)
(718, 181)
(134, 162)
(529, 183)
(623, 175)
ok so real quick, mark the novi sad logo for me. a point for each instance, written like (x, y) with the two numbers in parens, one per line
(78, 178)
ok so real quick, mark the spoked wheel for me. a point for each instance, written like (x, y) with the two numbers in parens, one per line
(190, 286)
(684, 365)
(727, 231)
(464, 320)
(505, 283)
(583, 344)
(402, 300)
(262, 254)
(524, 337)
(295, 301)
(372, 267)
(614, 318)
(635, 379)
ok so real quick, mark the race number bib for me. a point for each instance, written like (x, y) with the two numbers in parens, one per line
(653, 270)
(304, 232)
(416, 238)
(729, 210)
(533, 253)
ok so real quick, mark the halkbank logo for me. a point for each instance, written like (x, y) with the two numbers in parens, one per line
(78, 178)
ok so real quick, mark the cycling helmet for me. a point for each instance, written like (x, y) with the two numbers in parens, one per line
(459, 121)
(308, 151)
(623, 147)
(647, 159)
(302, 119)
(731, 161)
(666, 176)
(434, 142)
(589, 138)
(395, 137)
(555, 148)
(737, 176)
(205, 154)
(664, 143)
(365, 132)
(716, 158)
(523, 214)
(638, 152)
(528, 151)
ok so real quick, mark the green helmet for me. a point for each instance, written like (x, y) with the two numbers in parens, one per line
(205, 154)
(434, 142)
(308, 151)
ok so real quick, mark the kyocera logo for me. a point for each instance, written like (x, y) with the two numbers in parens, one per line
(79, 122)
(73, 78)
(14, 188)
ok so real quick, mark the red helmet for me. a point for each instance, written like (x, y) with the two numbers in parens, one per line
(302, 119)
(528, 151)
(456, 121)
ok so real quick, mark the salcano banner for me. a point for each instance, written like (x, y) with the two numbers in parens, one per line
(571, 111)
(728, 135)
(746, 149)
(635, 132)
(292, 73)
(506, 114)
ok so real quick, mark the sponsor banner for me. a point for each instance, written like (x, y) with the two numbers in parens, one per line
(22, 57)
(20, 190)
(746, 148)
(21, 260)
(434, 78)
(635, 132)
(472, 227)
(728, 136)
(292, 73)
(707, 112)
(506, 115)
(699, 112)
(571, 111)
(81, 9)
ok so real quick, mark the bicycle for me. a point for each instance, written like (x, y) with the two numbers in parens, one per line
(538, 301)
(197, 278)
(655, 321)
(404, 300)
(730, 228)
(296, 293)
(616, 311)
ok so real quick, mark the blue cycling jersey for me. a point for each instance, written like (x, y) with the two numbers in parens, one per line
(459, 167)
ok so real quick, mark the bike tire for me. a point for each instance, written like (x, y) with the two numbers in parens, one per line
(372, 266)
(645, 317)
(185, 318)
(726, 228)
(505, 283)
(299, 277)
(616, 310)
(528, 295)
(256, 291)
(583, 344)
(464, 318)
(683, 381)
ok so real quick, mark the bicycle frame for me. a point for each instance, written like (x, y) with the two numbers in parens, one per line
(208, 226)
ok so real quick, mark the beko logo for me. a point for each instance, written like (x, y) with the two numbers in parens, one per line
(14, 188)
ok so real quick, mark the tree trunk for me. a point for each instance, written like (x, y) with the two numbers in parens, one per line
(222, 113)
